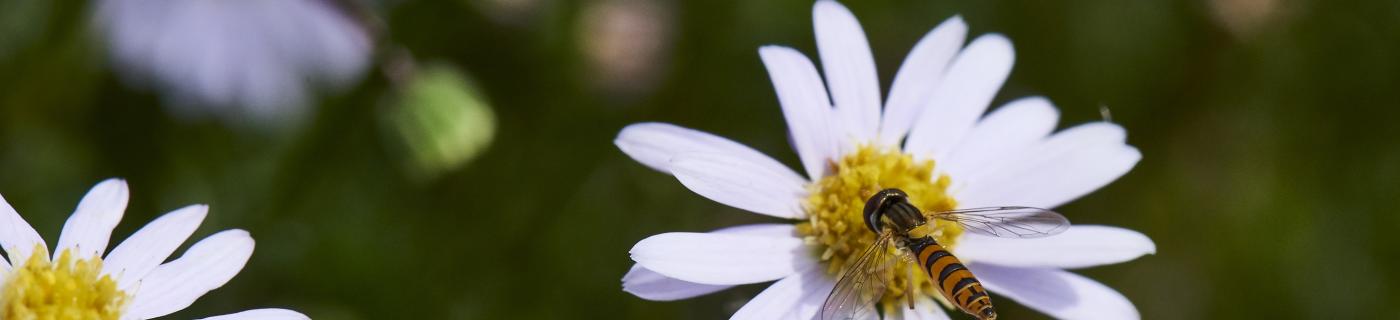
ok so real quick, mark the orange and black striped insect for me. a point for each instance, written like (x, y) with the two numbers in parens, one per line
(897, 222)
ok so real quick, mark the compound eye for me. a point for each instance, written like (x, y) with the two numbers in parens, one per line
(872, 213)
(876, 204)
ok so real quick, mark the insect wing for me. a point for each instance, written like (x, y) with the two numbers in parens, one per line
(861, 285)
(1008, 222)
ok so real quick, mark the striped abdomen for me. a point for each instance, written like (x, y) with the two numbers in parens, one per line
(957, 284)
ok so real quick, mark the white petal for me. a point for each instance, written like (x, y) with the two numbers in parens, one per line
(799, 296)
(650, 285)
(774, 230)
(921, 72)
(262, 314)
(90, 227)
(653, 144)
(1079, 247)
(924, 309)
(805, 106)
(1057, 293)
(1013, 128)
(723, 259)
(850, 69)
(16, 236)
(962, 96)
(740, 183)
(1070, 164)
(206, 266)
(1081, 136)
(152, 244)
(647, 284)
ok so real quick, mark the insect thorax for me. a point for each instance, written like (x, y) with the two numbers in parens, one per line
(904, 216)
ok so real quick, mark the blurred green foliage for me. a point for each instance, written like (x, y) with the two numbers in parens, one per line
(1268, 179)
(441, 121)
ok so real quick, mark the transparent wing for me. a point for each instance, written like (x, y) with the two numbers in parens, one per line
(1008, 222)
(861, 285)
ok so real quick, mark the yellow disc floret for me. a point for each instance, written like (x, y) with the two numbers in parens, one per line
(835, 224)
(69, 289)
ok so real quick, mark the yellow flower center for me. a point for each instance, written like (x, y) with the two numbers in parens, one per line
(835, 224)
(69, 289)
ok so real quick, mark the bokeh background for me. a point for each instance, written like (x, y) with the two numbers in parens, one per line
(1269, 179)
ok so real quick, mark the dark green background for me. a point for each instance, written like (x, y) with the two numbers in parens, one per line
(1268, 181)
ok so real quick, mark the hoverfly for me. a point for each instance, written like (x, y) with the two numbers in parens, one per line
(895, 221)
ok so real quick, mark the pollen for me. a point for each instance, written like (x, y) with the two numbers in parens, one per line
(836, 228)
(67, 289)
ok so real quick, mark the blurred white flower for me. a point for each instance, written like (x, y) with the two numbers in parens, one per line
(235, 58)
(851, 147)
(133, 281)
(626, 44)
(1245, 18)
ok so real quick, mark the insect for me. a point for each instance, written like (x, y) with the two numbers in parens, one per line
(897, 222)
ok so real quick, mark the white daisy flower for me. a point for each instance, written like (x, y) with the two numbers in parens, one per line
(130, 282)
(235, 59)
(930, 139)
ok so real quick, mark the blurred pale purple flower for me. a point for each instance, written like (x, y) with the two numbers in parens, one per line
(259, 58)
